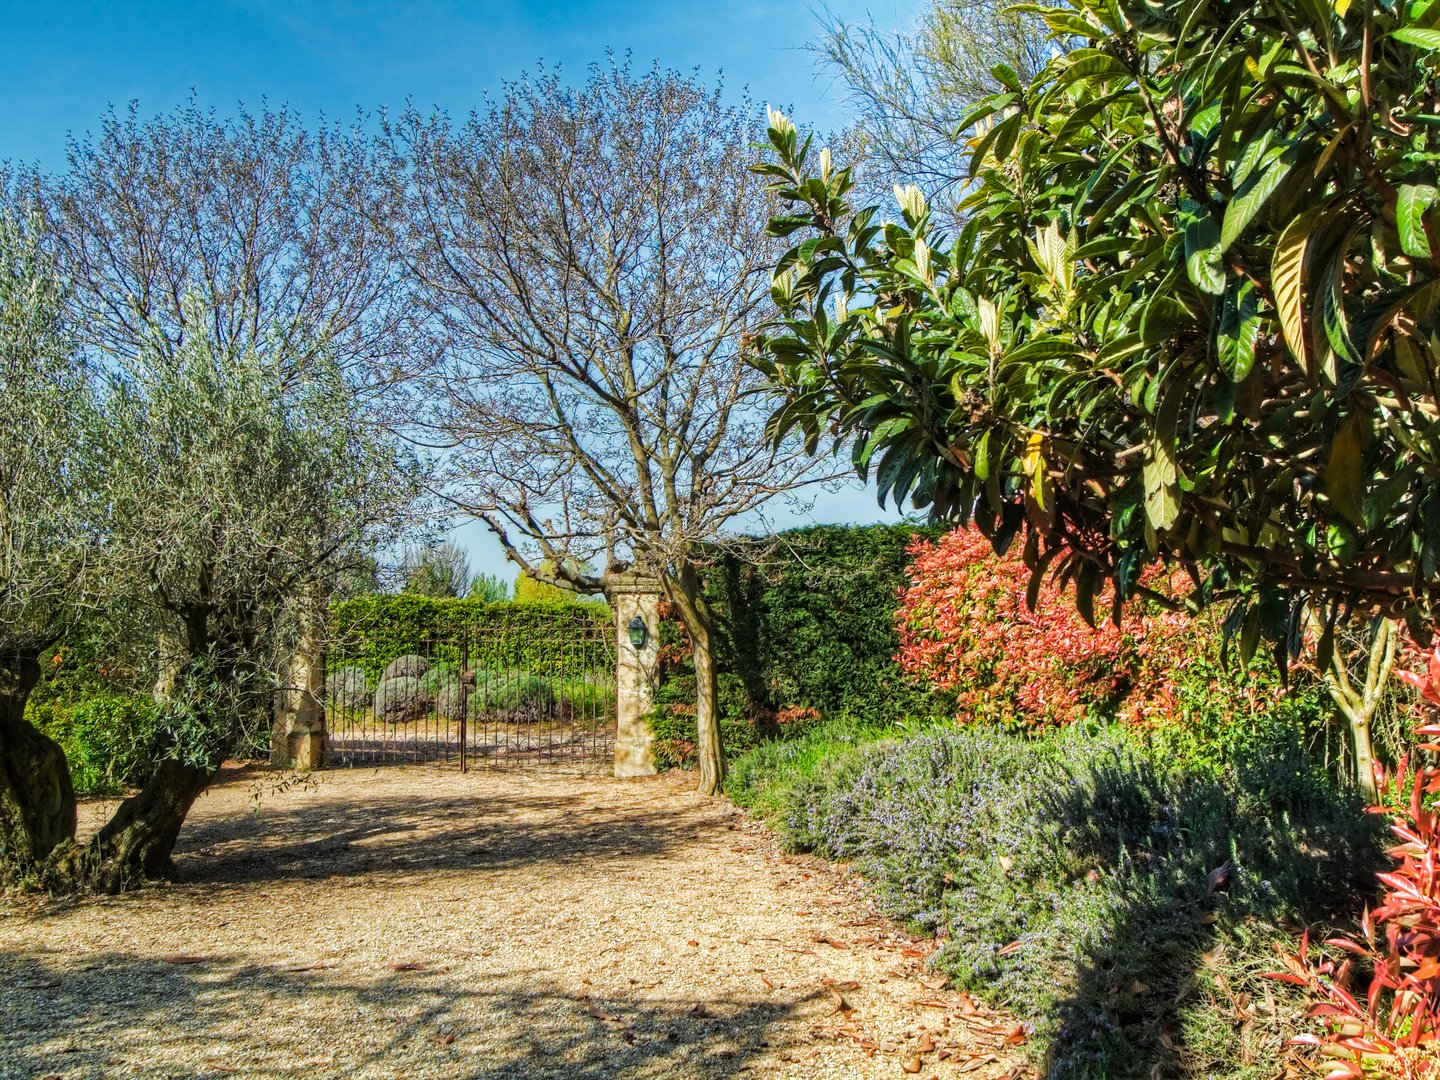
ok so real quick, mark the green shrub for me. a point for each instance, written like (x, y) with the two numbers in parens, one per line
(108, 738)
(765, 778)
(548, 639)
(1124, 900)
(439, 675)
(807, 618)
(448, 699)
(513, 697)
(348, 687)
(408, 665)
(588, 698)
(401, 699)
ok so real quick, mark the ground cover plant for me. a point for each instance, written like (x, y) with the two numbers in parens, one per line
(766, 780)
(1126, 901)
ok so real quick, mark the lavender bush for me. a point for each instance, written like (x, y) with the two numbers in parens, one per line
(348, 687)
(1124, 903)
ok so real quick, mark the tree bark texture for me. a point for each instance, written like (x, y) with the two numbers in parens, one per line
(37, 799)
(686, 594)
(136, 844)
(1359, 703)
(38, 812)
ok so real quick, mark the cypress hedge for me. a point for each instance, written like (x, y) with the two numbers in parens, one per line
(806, 619)
(546, 639)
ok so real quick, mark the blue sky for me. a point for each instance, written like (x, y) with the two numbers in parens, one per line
(64, 63)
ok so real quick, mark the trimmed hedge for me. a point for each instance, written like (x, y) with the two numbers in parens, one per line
(544, 639)
(806, 619)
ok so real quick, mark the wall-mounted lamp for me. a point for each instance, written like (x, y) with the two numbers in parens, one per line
(638, 632)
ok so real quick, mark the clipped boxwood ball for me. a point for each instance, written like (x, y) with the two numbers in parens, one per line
(449, 701)
(348, 687)
(409, 664)
(401, 699)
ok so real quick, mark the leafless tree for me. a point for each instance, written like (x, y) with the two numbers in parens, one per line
(593, 261)
(910, 88)
(255, 217)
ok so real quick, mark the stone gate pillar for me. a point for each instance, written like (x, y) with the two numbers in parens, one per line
(298, 738)
(636, 670)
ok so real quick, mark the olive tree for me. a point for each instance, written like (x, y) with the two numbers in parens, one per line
(594, 261)
(49, 474)
(235, 488)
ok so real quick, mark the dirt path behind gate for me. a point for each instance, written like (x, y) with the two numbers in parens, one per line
(419, 923)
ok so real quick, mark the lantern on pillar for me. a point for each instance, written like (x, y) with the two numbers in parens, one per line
(638, 633)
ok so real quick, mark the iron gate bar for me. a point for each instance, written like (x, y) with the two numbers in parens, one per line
(545, 699)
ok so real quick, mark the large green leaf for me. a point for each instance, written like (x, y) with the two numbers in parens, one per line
(1161, 475)
(1204, 260)
(1344, 479)
(1239, 329)
(1411, 202)
(1423, 39)
(1248, 201)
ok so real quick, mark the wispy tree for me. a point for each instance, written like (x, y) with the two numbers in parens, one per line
(256, 216)
(50, 473)
(912, 87)
(234, 489)
(593, 261)
(441, 570)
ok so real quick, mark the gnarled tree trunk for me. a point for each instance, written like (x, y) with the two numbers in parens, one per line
(136, 844)
(686, 594)
(37, 800)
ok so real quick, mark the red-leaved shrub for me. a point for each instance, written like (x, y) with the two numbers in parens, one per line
(965, 627)
(1390, 1028)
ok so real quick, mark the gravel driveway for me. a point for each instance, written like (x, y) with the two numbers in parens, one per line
(413, 922)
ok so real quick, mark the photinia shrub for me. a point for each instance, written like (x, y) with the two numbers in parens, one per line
(1390, 1025)
(965, 627)
(1427, 682)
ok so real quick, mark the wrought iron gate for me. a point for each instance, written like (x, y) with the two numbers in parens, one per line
(540, 693)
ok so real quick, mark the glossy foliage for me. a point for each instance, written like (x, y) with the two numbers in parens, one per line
(965, 627)
(1189, 319)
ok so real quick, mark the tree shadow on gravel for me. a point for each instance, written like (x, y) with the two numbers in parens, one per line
(1201, 875)
(404, 835)
(108, 1013)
